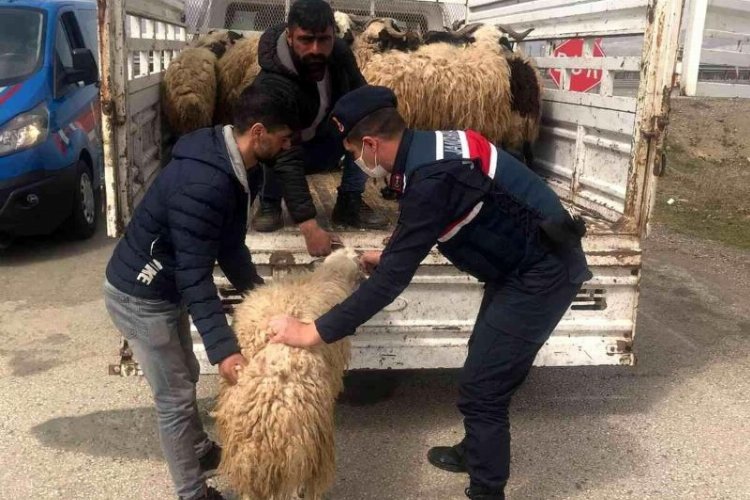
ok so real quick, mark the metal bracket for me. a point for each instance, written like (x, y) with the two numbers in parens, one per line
(128, 366)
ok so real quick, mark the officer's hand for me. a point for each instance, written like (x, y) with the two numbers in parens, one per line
(291, 331)
(370, 260)
(317, 240)
(230, 366)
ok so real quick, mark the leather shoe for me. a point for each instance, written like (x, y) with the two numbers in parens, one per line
(450, 458)
(482, 493)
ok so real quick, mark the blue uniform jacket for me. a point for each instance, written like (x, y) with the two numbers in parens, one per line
(483, 208)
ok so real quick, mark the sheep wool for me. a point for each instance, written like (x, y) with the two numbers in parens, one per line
(236, 70)
(276, 424)
(189, 90)
(441, 86)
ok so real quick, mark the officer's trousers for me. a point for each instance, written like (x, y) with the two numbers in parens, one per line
(516, 317)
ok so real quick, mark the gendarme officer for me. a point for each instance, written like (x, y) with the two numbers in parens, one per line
(491, 217)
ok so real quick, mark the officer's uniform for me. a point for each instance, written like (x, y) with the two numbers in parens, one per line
(495, 219)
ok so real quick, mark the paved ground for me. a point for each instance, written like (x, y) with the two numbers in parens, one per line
(676, 426)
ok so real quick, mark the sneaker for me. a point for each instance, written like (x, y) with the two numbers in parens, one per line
(268, 217)
(351, 210)
(210, 461)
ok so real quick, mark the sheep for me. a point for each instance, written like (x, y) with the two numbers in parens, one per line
(276, 425)
(443, 86)
(525, 81)
(189, 86)
(526, 86)
(236, 70)
(378, 35)
(189, 90)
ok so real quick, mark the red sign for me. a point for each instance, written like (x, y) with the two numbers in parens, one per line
(581, 80)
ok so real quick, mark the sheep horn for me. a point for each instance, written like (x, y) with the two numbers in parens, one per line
(391, 29)
(468, 30)
(518, 37)
(359, 20)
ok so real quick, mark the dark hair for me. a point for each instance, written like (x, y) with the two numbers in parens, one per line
(267, 106)
(312, 15)
(385, 122)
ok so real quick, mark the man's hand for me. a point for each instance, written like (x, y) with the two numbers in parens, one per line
(317, 240)
(291, 331)
(230, 366)
(370, 260)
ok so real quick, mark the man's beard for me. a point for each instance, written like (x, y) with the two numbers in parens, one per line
(312, 67)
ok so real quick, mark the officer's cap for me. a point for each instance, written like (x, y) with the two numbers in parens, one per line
(359, 103)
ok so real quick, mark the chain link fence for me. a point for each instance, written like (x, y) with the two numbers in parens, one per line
(259, 15)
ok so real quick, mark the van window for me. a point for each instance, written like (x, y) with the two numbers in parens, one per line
(87, 22)
(68, 37)
(21, 44)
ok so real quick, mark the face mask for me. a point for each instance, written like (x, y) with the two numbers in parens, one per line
(378, 172)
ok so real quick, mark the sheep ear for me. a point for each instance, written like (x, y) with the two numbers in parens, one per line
(233, 35)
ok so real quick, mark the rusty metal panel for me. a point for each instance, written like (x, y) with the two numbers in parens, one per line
(138, 39)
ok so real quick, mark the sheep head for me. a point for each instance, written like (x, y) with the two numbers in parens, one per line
(517, 37)
(385, 34)
(217, 41)
(458, 34)
(341, 266)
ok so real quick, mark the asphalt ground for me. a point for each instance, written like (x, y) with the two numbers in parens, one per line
(675, 426)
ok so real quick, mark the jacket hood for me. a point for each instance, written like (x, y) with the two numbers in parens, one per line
(205, 145)
(268, 55)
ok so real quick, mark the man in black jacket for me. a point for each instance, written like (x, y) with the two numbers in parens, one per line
(305, 60)
(194, 215)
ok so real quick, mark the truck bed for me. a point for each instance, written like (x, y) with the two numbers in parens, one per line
(323, 190)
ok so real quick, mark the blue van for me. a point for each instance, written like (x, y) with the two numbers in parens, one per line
(51, 164)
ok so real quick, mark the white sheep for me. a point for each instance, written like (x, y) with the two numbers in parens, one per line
(276, 425)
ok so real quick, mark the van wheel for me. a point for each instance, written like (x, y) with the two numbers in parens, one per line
(82, 221)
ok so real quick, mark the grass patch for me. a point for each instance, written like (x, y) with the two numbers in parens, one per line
(711, 198)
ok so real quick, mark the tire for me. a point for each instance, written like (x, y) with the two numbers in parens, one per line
(82, 222)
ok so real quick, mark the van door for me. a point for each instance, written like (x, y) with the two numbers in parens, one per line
(72, 118)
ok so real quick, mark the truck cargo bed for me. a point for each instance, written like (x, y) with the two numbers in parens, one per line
(323, 190)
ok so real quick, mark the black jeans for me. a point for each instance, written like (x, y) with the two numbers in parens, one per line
(322, 154)
(515, 319)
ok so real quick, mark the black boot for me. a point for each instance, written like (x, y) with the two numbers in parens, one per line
(450, 458)
(351, 210)
(268, 216)
(482, 493)
(211, 494)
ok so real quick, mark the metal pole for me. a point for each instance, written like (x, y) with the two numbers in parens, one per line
(691, 57)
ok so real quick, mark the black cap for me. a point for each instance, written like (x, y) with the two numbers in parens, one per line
(359, 103)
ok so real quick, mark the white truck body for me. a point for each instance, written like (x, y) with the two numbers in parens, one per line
(601, 150)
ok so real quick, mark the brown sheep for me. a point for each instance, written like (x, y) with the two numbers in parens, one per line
(236, 70)
(189, 90)
(276, 425)
(190, 85)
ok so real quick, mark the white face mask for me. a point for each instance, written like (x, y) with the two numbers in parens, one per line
(378, 172)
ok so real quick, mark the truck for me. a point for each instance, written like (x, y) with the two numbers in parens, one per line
(608, 68)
